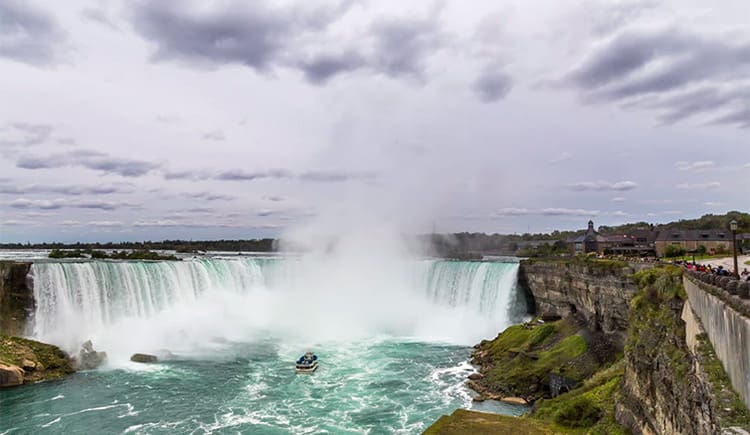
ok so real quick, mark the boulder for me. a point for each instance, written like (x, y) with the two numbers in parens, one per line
(143, 358)
(476, 376)
(88, 358)
(28, 365)
(10, 375)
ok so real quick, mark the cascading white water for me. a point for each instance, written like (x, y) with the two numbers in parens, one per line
(138, 306)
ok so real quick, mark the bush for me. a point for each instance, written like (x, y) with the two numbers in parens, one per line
(578, 412)
(674, 251)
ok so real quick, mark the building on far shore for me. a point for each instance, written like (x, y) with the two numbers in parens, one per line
(590, 241)
(639, 242)
(713, 241)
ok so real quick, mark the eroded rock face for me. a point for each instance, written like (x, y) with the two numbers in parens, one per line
(10, 375)
(16, 297)
(600, 293)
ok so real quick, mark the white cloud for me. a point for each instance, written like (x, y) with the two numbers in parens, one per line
(694, 166)
(602, 185)
(700, 186)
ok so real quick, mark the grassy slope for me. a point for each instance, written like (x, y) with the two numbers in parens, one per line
(480, 423)
(521, 358)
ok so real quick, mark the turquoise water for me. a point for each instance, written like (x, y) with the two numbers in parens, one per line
(375, 386)
(393, 338)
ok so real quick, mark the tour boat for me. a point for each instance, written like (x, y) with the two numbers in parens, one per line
(307, 363)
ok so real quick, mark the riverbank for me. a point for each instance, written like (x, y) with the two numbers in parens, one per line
(654, 383)
(27, 361)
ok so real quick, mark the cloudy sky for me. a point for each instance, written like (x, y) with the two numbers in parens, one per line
(129, 120)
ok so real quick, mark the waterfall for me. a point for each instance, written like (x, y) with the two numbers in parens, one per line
(127, 304)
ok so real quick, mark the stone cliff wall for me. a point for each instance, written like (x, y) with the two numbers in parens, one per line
(598, 291)
(16, 297)
(728, 330)
(673, 382)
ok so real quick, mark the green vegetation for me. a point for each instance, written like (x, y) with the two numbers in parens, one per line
(190, 246)
(50, 361)
(121, 255)
(591, 406)
(57, 253)
(747, 263)
(521, 358)
(731, 409)
(672, 251)
(479, 423)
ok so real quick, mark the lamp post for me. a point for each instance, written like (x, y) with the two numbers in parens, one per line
(733, 227)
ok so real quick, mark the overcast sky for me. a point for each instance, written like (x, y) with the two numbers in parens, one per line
(176, 119)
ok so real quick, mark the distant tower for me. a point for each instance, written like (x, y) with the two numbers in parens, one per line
(591, 225)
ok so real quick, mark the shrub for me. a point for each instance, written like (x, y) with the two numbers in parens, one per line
(578, 412)
(674, 251)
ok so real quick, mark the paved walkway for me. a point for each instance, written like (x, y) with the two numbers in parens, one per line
(727, 262)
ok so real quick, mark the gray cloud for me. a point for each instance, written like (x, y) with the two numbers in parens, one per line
(679, 72)
(252, 36)
(72, 190)
(214, 135)
(323, 67)
(54, 204)
(545, 212)
(208, 196)
(402, 45)
(28, 35)
(602, 185)
(263, 37)
(273, 198)
(91, 160)
(187, 175)
(335, 176)
(493, 85)
(23, 134)
(240, 175)
(99, 16)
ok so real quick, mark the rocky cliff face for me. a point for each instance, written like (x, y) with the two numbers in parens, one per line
(671, 383)
(16, 297)
(599, 291)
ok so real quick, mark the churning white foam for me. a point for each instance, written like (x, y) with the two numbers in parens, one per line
(197, 305)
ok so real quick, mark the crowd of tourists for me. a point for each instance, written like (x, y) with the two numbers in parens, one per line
(718, 270)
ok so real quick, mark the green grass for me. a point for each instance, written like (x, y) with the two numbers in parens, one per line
(747, 263)
(590, 406)
(479, 423)
(699, 258)
(523, 356)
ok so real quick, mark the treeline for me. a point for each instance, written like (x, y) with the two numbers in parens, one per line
(705, 222)
(115, 255)
(183, 246)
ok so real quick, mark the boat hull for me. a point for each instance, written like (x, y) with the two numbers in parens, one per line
(307, 368)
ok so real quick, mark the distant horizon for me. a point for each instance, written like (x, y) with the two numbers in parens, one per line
(278, 237)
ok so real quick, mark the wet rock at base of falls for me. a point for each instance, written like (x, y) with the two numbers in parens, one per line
(88, 358)
(10, 375)
(143, 358)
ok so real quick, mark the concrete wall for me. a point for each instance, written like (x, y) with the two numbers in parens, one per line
(729, 332)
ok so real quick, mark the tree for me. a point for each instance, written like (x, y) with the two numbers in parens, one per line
(674, 251)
